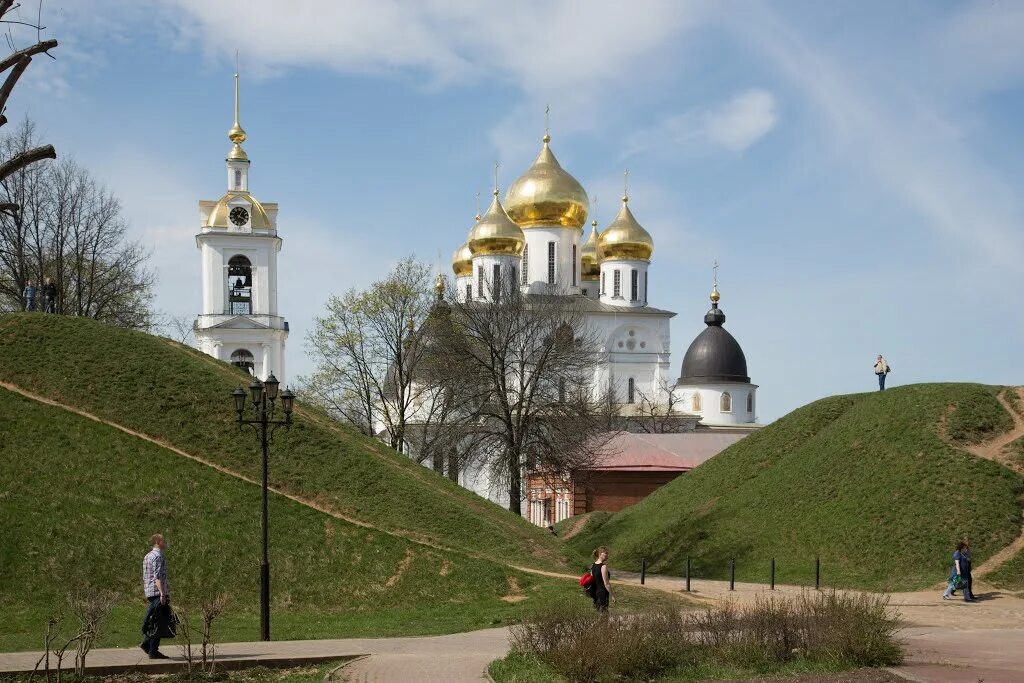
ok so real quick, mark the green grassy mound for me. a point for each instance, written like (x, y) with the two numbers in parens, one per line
(78, 501)
(865, 482)
(177, 395)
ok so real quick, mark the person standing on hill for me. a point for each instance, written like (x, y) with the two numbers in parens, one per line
(49, 297)
(962, 569)
(154, 585)
(30, 296)
(602, 579)
(881, 369)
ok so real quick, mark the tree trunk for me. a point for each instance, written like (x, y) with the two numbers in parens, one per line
(515, 493)
(453, 466)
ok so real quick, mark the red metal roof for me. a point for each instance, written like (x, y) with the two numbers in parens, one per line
(664, 452)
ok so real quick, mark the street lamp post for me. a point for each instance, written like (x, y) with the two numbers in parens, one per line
(263, 396)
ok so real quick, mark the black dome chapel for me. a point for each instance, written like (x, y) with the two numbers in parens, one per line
(715, 355)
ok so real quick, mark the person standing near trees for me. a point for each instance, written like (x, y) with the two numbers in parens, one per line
(49, 296)
(602, 579)
(30, 296)
(881, 369)
(154, 585)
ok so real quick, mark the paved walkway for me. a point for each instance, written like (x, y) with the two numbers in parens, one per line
(458, 657)
(946, 642)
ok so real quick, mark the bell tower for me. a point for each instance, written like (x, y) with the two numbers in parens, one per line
(239, 321)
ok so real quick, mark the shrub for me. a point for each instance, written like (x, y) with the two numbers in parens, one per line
(837, 630)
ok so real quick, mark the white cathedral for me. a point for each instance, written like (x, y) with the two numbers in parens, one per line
(533, 238)
(238, 243)
(536, 237)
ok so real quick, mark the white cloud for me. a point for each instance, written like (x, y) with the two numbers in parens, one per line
(734, 125)
(741, 121)
(898, 134)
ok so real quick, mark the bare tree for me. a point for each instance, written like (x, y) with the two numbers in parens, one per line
(366, 351)
(70, 229)
(91, 607)
(15, 65)
(529, 363)
(177, 326)
(658, 412)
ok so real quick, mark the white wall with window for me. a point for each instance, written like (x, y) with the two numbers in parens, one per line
(719, 405)
(552, 260)
(624, 283)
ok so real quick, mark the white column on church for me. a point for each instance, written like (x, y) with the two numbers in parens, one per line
(266, 370)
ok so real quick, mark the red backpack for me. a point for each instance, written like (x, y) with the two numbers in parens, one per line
(587, 583)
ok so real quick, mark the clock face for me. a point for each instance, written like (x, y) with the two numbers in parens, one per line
(239, 216)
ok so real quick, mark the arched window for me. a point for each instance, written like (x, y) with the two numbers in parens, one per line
(526, 263)
(239, 286)
(726, 402)
(574, 265)
(698, 406)
(469, 292)
(496, 285)
(603, 290)
(617, 284)
(631, 390)
(243, 359)
(750, 402)
(238, 179)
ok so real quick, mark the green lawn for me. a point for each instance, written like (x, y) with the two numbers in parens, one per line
(863, 481)
(182, 397)
(78, 501)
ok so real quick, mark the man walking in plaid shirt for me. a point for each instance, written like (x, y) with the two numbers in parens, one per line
(154, 585)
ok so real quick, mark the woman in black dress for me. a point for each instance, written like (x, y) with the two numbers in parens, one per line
(602, 579)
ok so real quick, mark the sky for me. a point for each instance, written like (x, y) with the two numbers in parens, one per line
(855, 167)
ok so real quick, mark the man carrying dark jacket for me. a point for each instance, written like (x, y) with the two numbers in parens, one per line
(157, 592)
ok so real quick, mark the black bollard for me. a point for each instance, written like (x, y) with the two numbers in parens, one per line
(773, 574)
(732, 575)
(817, 573)
(643, 570)
(687, 574)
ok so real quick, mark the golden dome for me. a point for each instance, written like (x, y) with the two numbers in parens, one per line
(547, 195)
(715, 296)
(237, 153)
(236, 134)
(218, 217)
(496, 233)
(625, 239)
(462, 261)
(590, 259)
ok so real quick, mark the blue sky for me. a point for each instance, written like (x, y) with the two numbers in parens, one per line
(856, 167)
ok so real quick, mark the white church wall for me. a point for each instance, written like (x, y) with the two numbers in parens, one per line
(625, 270)
(711, 411)
(567, 269)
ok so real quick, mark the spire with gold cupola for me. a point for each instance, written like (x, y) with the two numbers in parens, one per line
(239, 321)
(551, 207)
(496, 243)
(626, 249)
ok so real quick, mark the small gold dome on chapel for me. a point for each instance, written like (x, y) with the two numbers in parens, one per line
(496, 233)
(625, 239)
(462, 261)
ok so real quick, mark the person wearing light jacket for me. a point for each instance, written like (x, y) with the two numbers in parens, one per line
(881, 370)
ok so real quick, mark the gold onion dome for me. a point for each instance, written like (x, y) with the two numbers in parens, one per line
(462, 261)
(546, 195)
(625, 239)
(496, 233)
(715, 296)
(590, 258)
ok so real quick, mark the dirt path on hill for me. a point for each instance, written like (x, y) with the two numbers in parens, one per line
(993, 448)
(322, 420)
(411, 538)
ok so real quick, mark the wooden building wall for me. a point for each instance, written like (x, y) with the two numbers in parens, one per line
(613, 491)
